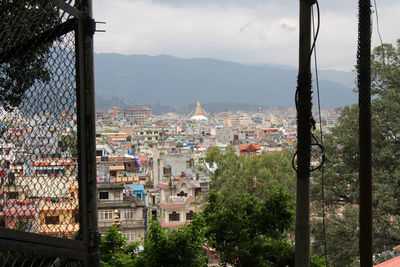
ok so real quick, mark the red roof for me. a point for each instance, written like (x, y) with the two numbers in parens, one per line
(162, 185)
(250, 147)
(144, 160)
(20, 203)
(57, 163)
(270, 129)
(184, 178)
(116, 159)
(19, 212)
(390, 263)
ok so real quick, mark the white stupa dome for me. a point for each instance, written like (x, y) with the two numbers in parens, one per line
(199, 118)
(198, 114)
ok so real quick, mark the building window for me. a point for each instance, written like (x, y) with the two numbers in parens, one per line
(154, 213)
(174, 217)
(12, 195)
(182, 194)
(52, 219)
(117, 195)
(197, 191)
(103, 195)
(139, 196)
(128, 214)
(105, 215)
(189, 215)
(75, 217)
(129, 236)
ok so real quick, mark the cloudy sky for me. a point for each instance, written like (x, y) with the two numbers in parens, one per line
(246, 31)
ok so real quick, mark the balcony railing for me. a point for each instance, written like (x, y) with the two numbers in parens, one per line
(129, 223)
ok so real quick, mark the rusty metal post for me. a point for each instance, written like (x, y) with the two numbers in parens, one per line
(304, 114)
(364, 102)
(86, 133)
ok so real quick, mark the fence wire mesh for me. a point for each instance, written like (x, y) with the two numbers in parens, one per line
(11, 259)
(38, 123)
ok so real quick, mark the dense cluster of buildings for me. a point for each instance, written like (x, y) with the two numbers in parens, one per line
(147, 166)
(161, 158)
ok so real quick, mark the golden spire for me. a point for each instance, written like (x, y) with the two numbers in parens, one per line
(198, 111)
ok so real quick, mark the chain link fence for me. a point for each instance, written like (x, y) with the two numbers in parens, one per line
(39, 190)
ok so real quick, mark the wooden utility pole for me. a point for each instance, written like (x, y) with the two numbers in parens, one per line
(304, 114)
(87, 134)
(364, 103)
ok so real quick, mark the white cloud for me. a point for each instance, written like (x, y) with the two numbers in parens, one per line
(263, 33)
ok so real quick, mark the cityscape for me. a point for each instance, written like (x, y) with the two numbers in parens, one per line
(199, 133)
(147, 165)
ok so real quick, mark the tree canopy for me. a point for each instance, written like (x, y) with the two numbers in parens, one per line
(164, 247)
(20, 21)
(341, 170)
(247, 231)
(115, 250)
(255, 175)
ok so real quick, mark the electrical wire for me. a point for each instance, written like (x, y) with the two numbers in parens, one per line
(312, 121)
(296, 100)
(312, 124)
(322, 143)
(322, 151)
(379, 33)
(377, 23)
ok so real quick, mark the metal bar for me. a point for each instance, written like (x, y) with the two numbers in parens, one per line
(33, 43)
(86, 134)
(42, 249)
(67, 8)
(364, 102)
(7, 235)
(304, 105)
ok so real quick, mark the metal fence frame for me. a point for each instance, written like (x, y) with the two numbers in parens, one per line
(84, 250)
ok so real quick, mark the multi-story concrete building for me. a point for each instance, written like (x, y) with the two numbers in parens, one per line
(148, 135)
(42, 198)
(137, 115)
(179, 199)
(115, 196)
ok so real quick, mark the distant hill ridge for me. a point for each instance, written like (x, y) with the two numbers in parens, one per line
(176, 82)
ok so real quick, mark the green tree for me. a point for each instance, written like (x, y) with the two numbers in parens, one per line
(341, 175)
(247, 231)
(235, 174)
(164, 247)
(115, 250)
(69, 143)
(20, 21)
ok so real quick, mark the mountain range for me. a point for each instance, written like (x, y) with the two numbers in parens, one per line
(166, 81)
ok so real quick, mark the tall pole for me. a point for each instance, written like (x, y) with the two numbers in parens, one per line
(86, 133)
(364, 102)
(304, 113)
